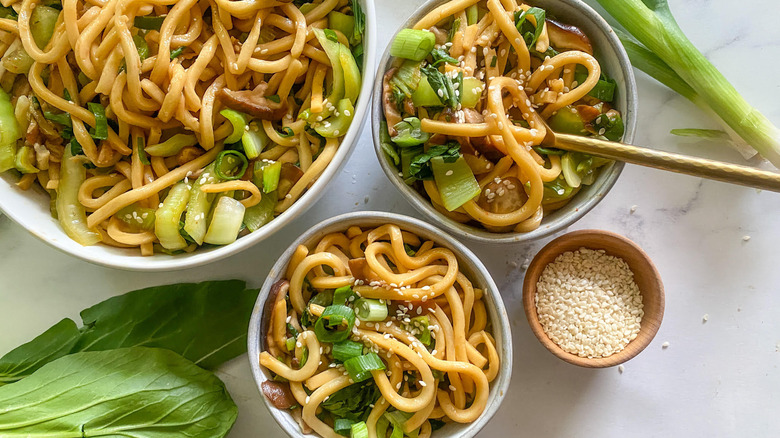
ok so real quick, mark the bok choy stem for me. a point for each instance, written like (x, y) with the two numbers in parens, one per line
(651, 22)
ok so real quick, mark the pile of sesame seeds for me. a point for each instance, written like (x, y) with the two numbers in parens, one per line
(588, 303)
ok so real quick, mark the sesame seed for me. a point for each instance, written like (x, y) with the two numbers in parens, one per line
(665, 345)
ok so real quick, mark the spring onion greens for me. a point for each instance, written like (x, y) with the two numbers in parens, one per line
(337, 315)
(372, 310)
(172, 146)
(663, 51)
(360, 367)
(346, 350)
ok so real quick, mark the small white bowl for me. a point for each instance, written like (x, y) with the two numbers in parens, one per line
(614, 61)
(30, 208)
(468, 263)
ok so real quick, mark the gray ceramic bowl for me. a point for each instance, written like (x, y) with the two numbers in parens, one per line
(614, 61)
(469, 265)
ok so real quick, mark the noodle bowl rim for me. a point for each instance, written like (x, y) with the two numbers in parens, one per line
(592, 24)
(30, 209)
(468, 263)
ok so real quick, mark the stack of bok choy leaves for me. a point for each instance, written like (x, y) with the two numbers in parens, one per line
(139, 366)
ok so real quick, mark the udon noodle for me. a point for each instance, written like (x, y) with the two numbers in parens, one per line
(466, 111)
(377, 328)
(136, 115)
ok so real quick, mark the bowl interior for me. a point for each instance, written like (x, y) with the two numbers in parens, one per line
(646, 277)
(30, 208)
(614, 62)
(468, 264)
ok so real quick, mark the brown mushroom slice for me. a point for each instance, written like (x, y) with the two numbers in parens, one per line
(360, 270)
(478, 145)
(392, 116)
(289, 176)
(566, 36)
(278, 290)
(279, 394)
(253, 102)
(588, 113)
(501, 197)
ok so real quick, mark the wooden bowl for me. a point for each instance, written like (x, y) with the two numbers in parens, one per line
(645, 275)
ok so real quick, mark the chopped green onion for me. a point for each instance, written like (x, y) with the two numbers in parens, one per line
(274, 98)
(343, 426)
(360, 367)
(407, 77)
(453, 29)
(360, 23)
(343, 295)
(609, 125)
(455, 181)
(359, 430)
(139, 144)
(290, 343)
(101, 124)
(304, 356)
(226, 221)
(149, 22)
(61, 118)
(368, 309)
(230, 165)
(331, 35)
(324, 298)
(409, 133)
(172, 146)
(413, 44)
(177, 52)
(398, 419)
(334, 315)
(345, 350)
(141, 46)
(548, 151)
(238, 120)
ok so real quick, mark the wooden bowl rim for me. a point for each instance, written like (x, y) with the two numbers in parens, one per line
(650, 323)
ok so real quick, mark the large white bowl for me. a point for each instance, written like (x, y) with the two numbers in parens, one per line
(614, 61)
(468, 263)
(30, 208)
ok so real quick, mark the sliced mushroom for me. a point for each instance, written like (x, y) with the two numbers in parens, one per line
(279, 394)
(391, 112)
(501, 197)
(483, 145)
(253, 102)
(566, 36)
(440, 34)
(277, 289)
(289, 176)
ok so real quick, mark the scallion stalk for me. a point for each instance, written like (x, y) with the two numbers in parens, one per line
(101, 123)
(230, 165)
(254, 140)
(172, 146)
(344, 295)
(149, 22)
(651, 22)
(238, 120)
(199, 205)
(413, 44)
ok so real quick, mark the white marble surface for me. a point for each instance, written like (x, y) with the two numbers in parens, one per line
(718, 378)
